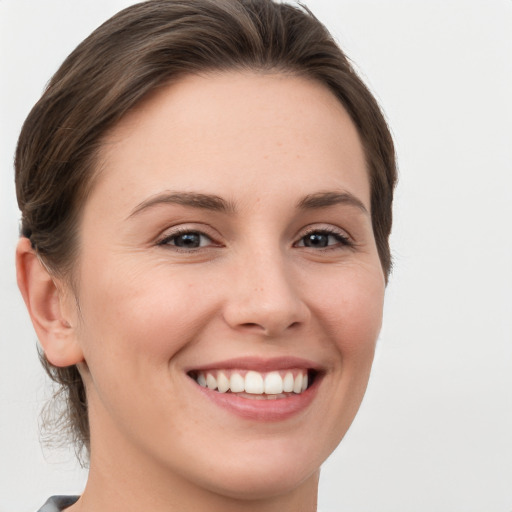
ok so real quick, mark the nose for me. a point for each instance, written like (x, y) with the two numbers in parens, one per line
(264, 298)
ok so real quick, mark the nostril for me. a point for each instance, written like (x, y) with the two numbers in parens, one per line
(253, 325)
(266, 330)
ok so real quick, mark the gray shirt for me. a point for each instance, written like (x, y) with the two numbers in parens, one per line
(58, 503)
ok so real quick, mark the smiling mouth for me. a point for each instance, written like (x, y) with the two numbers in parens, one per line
(256, 385)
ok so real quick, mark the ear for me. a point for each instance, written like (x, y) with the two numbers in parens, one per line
(48, 307)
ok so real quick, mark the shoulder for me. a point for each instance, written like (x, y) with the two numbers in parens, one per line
(58, 503)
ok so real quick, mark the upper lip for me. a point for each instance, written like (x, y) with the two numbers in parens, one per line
(259, 364)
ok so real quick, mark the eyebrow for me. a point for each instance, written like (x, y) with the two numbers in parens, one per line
(192, 199)
(326, 199)
(218, 204)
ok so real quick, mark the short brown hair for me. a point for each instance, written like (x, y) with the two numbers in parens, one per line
(144, 47)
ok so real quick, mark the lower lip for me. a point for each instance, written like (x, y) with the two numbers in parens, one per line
(262, 409)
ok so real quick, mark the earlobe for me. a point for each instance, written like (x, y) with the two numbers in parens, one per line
(45, 304)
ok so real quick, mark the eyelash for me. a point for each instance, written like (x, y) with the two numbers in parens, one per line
(343, 240)
(180, 232)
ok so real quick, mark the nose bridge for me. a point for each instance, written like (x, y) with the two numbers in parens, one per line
(263, 295)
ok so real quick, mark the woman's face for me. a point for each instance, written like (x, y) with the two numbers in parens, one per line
(228, 239)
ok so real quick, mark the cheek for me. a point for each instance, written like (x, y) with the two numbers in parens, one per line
(351, 309)
(362, 318)
(352, 315)
(148, 313)
(349, 316)
(134, 324)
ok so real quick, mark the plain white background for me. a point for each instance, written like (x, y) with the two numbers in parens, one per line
(434, 433)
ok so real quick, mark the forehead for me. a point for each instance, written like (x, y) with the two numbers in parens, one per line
(245, 129)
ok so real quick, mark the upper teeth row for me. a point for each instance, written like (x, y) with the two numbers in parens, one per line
(272, 383)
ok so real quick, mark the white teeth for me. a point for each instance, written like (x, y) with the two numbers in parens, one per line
(211, 381)
(201, 380)
(305, 382)
(254, 383)
(222, 382)
(237, 383)
(297, 385)
(273, 383)
(288, 382)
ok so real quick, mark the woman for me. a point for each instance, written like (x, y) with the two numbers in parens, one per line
(206, 194)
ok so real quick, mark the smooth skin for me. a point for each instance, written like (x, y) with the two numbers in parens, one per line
(256, 268)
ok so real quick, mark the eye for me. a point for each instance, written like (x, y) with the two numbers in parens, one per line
(187, 240)
(323, 239)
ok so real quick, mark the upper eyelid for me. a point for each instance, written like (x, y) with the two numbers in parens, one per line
(191, 227)
(342, 239)
(215, 236)
(347, 241)
(164, 242)
(325, 228)
(178, 233)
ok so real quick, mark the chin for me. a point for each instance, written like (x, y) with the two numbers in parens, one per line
(263, 483)
(265, 470)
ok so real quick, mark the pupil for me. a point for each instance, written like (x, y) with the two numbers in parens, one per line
(316, 240)
(189, 240)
